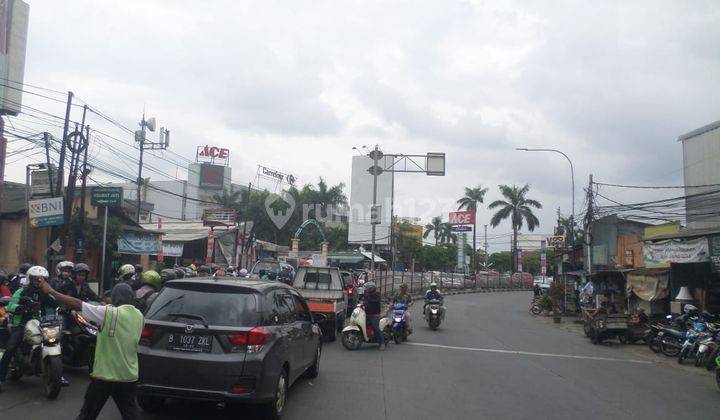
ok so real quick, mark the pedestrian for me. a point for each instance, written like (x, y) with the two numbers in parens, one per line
(115, 371)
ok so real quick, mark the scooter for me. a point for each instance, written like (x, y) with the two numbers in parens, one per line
(432, 313)
(40, 353)
(78, 341)
(707, 345)
(400, 330)
(692, 338)
(358, 331)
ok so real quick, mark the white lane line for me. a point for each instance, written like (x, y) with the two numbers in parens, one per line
(529, 353)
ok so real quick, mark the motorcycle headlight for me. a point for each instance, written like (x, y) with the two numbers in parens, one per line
(50, 334)
(398, 319)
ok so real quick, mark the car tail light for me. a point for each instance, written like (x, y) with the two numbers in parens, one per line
(147, 332)
(350, 291)
(253, 339)
(240, 389)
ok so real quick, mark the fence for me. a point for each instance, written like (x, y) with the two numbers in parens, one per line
(388, 282)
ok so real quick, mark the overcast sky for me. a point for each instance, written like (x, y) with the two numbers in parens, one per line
(295, 85)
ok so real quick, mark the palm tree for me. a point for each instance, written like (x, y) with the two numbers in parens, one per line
(516, 207)
(325, 197)
(228, 200)
(440, 230)
(469, 201)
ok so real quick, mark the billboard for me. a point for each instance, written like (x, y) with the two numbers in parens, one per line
(14, 15)
(361, 199)
(662, 254)
(212, 176)
(46, 212)
(461, 217)
(42, 182)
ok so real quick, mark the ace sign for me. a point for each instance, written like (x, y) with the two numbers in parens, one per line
(461, 218)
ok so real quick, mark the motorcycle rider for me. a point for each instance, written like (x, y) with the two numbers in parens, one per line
(115, 371)
(17, 281)
(64, 270)
(78, 287)
(127, 274)
(373, 310)
(243, 273)
(20, 307)
(145, 295)
(434, 294)
(404, 297)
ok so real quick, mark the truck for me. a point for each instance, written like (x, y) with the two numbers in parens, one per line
(322, 288)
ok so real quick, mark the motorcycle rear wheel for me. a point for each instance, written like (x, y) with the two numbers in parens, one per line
(683, 355)
(670, 347)
(535, 309)
(434, 323)
(710, 363)
(352, 340)
(653, 343)
(52, 372)
(397, 336)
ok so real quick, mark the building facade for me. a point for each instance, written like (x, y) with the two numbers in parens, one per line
(701, 166)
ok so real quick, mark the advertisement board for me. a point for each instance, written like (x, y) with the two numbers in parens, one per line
(212, 176)
(460, 228)
(46, 212)
(361, 199)
(661, 254)
(42, 182)
(461, 218)
(137, 243)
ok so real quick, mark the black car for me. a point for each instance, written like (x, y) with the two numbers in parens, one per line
(225, 341)
(350, 290)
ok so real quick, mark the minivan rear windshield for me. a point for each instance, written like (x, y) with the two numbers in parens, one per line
(217, 307)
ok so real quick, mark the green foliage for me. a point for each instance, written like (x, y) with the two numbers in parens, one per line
(437, 257)
(546, 302)
(159, 266)
(556, 293)
(501, 261)
(440, 230)
(472, 197)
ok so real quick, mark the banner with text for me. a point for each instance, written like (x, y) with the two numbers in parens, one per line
(661, 254)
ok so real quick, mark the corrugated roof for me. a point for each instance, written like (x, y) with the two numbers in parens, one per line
(701, 130)
(685, 233)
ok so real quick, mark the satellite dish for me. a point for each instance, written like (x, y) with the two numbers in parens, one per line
(150, 124)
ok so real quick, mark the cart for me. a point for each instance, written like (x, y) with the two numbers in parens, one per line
(601, 326)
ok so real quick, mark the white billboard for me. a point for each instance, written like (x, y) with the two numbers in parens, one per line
(14, 15)
(361, 198)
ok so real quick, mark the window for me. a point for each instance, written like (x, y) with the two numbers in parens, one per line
(317, 280)
(301, 309)
(217, 305)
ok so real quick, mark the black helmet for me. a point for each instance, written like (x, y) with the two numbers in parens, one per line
(179, 273)
(81, 267)
(24, 267)
(168, 274)
(138, 268)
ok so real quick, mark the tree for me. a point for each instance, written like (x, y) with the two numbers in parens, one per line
(469, 201)
(408, 241)
(324, 197)
(437, 258)
(440, 230)
(566, 229)
(228, 200)
(518, 208)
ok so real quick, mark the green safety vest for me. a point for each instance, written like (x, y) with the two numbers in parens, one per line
(117, 345)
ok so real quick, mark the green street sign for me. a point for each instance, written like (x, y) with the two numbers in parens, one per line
(106, 196)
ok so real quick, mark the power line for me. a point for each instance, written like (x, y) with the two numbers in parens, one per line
(656, 187)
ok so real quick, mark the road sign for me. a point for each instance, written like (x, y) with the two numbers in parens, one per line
(42, 183)
(461, 218)
(461, 228)
(106, 196)
(46, 212)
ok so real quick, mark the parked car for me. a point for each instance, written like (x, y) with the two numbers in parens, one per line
(351, 291)
(269, 267)
(324, 291)
(226, 341)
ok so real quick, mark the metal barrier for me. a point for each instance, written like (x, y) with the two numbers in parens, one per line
(388, 282)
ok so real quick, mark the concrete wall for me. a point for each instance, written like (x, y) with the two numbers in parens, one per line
(701, 161)
(13, 237)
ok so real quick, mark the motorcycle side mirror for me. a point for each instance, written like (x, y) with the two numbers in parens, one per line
(318, 317)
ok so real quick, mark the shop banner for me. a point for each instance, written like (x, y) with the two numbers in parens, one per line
(173, 249)
(661, 254)
(148, 244)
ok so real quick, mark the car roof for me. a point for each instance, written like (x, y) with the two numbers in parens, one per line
(227, 281)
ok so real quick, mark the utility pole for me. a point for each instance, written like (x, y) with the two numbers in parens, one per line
(588, 222)
(3, 149)
(61, 163)
(486, 249)
(373, 210)
(145, 144)
(81, 225)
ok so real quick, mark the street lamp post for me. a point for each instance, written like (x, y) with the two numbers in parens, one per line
(572, 180)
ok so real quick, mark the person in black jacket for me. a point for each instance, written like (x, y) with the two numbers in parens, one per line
(77, 286)
(373, 311)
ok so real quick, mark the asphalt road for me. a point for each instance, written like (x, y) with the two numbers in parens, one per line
(491, 359)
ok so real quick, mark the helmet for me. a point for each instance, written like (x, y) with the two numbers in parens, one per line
(433, 284)
(204, 270)
(403, 286)
(690, 309)
(243, 272)
(81, 267)
(63, 264)
(35, 272)
(370, 287)
(179, 273)
(168, 274)
(24, 267)
(125, 270)
(192, 267)
(152, 278)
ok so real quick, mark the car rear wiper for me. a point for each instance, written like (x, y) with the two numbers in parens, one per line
(191, 316)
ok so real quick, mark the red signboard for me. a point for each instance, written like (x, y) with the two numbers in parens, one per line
(461, 218)
(519, 261)
(214, 152)
(543, 263)
(210, 248)
(161, 256)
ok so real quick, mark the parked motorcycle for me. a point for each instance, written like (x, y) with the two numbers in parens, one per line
(78, 341)
(693, 336)
(358, 331)
(399, 322)
(432, 313)
(707, 345)
(40, 352)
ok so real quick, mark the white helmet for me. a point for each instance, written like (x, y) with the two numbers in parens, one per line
(243, 272)
(35, 272)
(126, 269)
(433, 284)
(64, 264)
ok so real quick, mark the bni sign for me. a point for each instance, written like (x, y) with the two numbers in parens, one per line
(46, 212)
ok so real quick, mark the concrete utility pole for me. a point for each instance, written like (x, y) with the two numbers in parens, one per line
(375, 154)
(486, 248)
(145, 144)
(589, 219)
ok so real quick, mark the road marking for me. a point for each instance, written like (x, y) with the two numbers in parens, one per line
(529, 353)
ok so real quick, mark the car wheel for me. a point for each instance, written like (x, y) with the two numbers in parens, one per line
(314, 370)
(274, 410)
(150, 404)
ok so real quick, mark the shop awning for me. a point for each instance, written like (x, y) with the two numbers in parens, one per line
(368, 255)
(347, 258)
(648, 284)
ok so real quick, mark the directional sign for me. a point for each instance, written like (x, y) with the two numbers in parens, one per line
(46, 212)
(106, 196)
(461, 228)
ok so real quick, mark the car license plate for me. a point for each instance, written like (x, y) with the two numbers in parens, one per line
(190, 342)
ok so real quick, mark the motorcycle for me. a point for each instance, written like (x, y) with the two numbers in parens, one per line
(358, 331)
(78, 341)
(707, 346)
(693, 336)
(399, 323)
(40, 353)
(432, 313)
